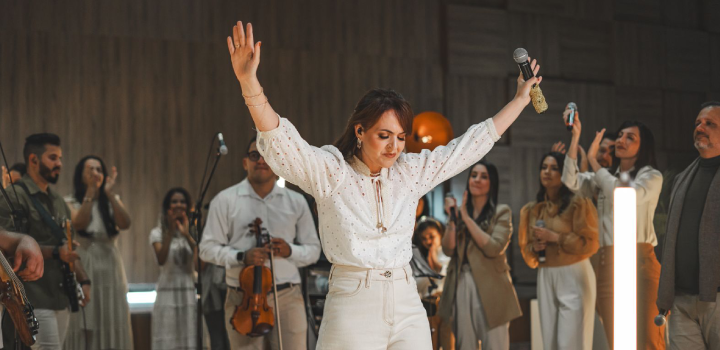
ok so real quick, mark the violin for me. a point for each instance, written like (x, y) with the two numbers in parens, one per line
(254, 317)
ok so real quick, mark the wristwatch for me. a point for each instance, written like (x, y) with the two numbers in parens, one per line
(240, 256)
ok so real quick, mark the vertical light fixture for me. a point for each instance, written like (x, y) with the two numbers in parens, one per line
(625, 268)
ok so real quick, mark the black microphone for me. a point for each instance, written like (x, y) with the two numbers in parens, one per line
(541, 254)
(661, 318)
(453, 214)
(571, 118)
(520, 56)
(222, 149)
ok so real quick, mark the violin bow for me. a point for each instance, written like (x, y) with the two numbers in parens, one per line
(277, 306)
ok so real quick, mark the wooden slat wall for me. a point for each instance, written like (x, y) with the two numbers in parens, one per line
(146, 84)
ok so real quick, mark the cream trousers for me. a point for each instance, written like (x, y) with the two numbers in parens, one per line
(373, 309)
(566, 299)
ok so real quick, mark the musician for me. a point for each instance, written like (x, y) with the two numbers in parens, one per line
(228, 241)
(367, 192)
(25, 251)
(43, 157)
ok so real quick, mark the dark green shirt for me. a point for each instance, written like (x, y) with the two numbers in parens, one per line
(687, 248)
(47, 292)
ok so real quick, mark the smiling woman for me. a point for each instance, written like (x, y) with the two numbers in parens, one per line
(367, 192)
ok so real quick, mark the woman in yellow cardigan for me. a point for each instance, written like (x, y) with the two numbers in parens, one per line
(482, 289)
(563, 228)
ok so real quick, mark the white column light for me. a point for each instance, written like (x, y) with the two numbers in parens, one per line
(625, 268)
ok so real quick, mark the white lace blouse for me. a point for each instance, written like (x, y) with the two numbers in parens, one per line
(368, 221)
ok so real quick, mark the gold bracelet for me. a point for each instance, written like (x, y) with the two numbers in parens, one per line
(261, 92)
(262, 104)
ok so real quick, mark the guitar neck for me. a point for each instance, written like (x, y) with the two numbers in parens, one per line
(6, 269)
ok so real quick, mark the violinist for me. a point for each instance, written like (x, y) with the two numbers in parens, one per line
(229, 241)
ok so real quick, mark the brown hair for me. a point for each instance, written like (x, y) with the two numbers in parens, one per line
(367, 113)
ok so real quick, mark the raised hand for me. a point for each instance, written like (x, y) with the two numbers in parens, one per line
(450, 202)
(593, 150)
(463, 208)
(595, 146)
(523, 89)
(558, 147)
(577, 125)
(244, 52)
(110, 181)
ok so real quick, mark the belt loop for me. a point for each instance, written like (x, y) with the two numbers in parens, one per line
(367, 278)
(331, 272)
(407, 279)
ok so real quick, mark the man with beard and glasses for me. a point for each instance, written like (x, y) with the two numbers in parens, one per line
(44, 213)
(690, 274)
(228, 241)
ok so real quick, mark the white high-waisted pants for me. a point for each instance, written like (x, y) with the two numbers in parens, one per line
(373, 309)
(566, 299)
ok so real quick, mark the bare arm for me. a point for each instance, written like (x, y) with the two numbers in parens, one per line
(448, 239)
(245, 56)
(81, 217)
(121, 216)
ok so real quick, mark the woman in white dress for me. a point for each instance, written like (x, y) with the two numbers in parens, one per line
(367, 191)
(174, 313)
(98, 215)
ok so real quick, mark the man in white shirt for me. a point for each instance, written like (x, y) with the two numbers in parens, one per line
(228, 241)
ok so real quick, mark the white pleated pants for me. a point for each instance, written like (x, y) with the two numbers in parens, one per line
(566, 299)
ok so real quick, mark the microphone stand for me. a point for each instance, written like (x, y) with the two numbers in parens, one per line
(196, 227)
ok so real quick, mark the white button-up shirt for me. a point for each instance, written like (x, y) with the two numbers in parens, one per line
(284, 213)
(348, 205)
(647, 185)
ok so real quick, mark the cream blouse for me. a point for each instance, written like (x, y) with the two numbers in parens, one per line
(368, 221)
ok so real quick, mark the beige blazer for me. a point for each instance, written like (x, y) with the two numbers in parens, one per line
(490, 271)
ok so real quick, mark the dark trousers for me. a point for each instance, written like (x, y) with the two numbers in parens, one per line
(215, 321)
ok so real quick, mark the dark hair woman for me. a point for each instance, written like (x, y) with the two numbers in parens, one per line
(174, 312)
(561, 227)
(634, 155)
(98, 215)
(426, 237)
(367, 192)
(478, 291)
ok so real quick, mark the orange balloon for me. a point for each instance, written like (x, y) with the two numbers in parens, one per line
(429, 130)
